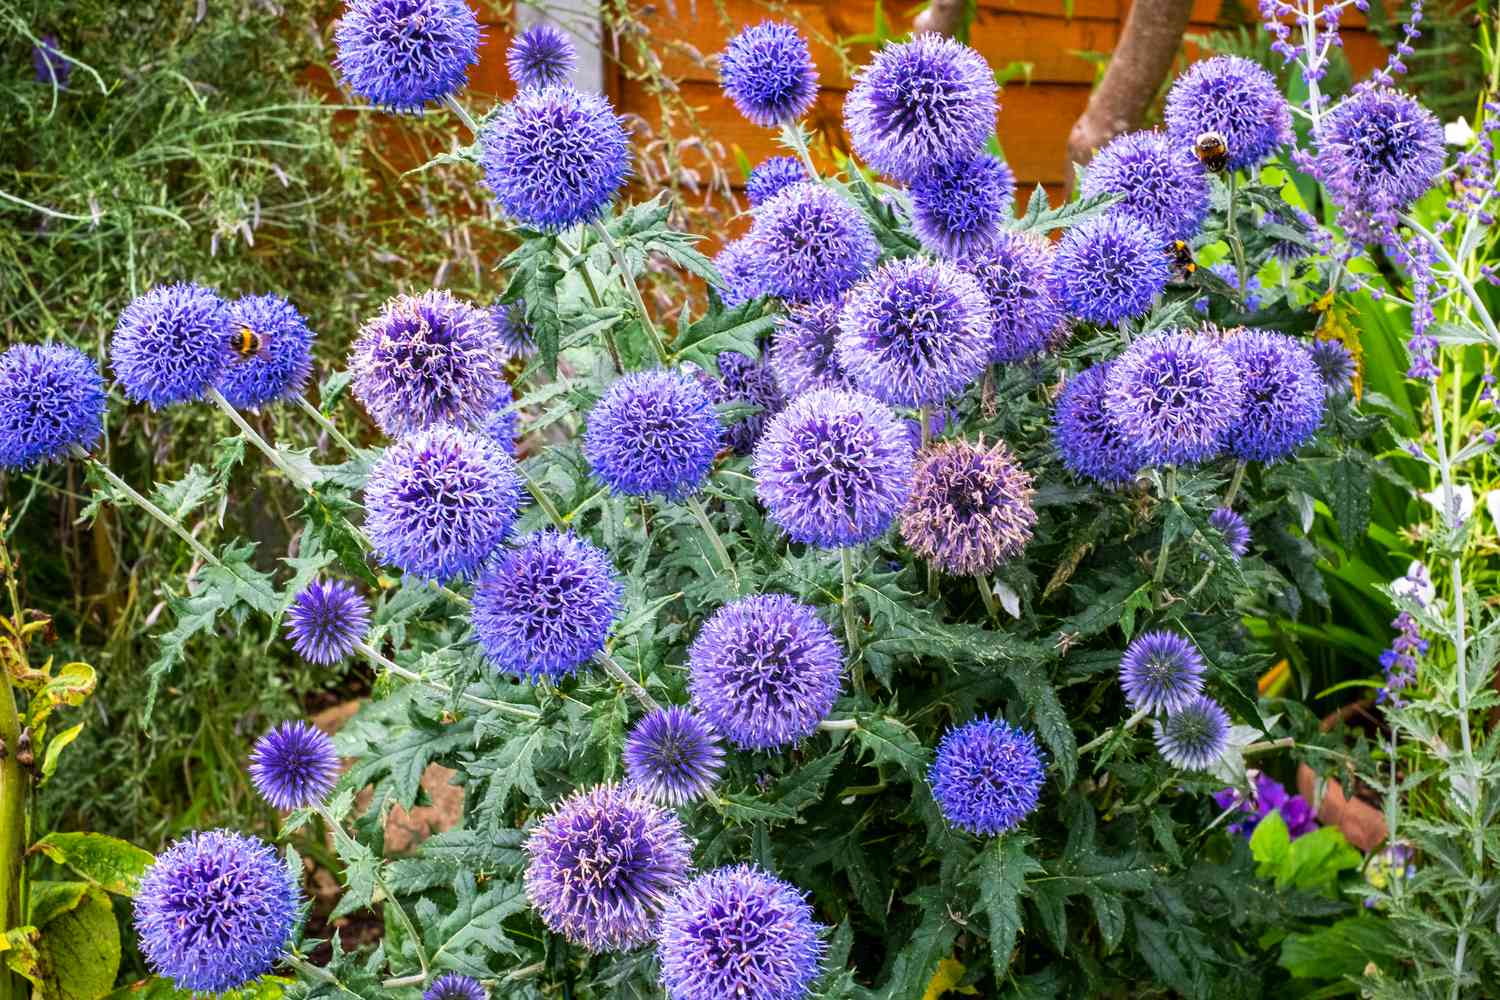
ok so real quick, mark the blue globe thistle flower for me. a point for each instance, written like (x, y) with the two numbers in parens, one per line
(170, 344)
(920, 105)
(439, 502)
(425, 360)
(802, 348)
(294, 765)
(1110, 268)
(1233, 529)
(545, 607)
(1159, 180)
(215, 910)
(773, 174)
(672, 756)
(764, 671)
(326, 620)
(51, 399)
(48, 63)
(915, 333)
(555, 157)
(1017, 275)
(811, 243)
(1161, 672)
(454, 986)
(970, 508)
(603, 865)
(541, 56)
(273, 352)
(1379, 150)
(1283, 396)
(1238, 99)
(834, 468)
(739, 932)
(654, 432)
(987, 776)
(405, 54)
(1174, 395)
(1253, 289)
(769, 74)
(741, 275)
(502, 424)
(1086, 437)
(960, 207)
(512, 329)
(745, 381)
(1335, 365)
(1194, 736)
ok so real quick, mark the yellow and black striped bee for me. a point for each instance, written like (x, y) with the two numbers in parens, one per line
(1212, 150)
(1181, 256)
(247, 343)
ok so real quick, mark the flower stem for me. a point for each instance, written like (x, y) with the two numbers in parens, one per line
(695, 507)
(463, 115)
(14, 784)
(1169, 495)
(851, 620)
(612, 667)
(326, 424)
(988, 597)
(588, 283)
(793, 131)
(635, 293)
(337, 829)
(1234, 484)
(276, 457)
(838, 725)
(381, 660)
(166, 520)
(543, 501)
(1112, 732)
(1232, 235)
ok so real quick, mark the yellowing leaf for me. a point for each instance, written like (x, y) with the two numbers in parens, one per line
(949, 972)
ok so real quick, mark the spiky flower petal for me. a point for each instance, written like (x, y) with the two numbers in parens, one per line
(741, 272)
(1174, 395)
(405, 54)
(512, 330)
(987, 776)
(1235, 97)
(1090, 442)
(1194, 736)
(742, 380)
(1335, 365)
(811, 243)
(672, 756)
(654, 432)
(773, 174)
(51, 399)
(960, 207)
(541, 56)
(1159, 180)
(1379, 150)
(1283, 396)
(272, 352)
(294, 765)
(454, 986)
(326, 620)
(1160, 672)
(970, 508)
(1111, 268)
(769, 74)
(170, 344)
(802, 349)
(1233, 529)
(1017, 274)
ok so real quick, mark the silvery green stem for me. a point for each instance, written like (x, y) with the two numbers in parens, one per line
(167, 521)
(381, 660)
(612, 667)
(1459, 276)
(1234, 484)
(695, 507)
(988, 597)
(851, 621)
(276, 457)
(326, 424)
(337, 829)
(463, 115)
(1111, 732)
(838, 725)
(1169, 493)
(799, 142)
(635, 293)
(543, 501)
(1232, 231)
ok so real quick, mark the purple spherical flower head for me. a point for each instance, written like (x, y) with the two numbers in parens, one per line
(745, 381)
(603, 865)
(555, 157)
(1379, 150)
(1161, 672)
(768, 73)
(214, 911)
(672, 756)
(326, 620)
(513, 331)
(1016, 272)
(1174, 395)
(405, 54)
(764, 671)
(502, 424)
(987, 776)
(439, 502)
(773, 174)
(1110, 268)
(741, 274)
(802, 348)
(915, 333)
(294, 765)
(920, 105)
(272, 352)
(546, 607)
(1236, 98)
(1335, 365)
(455, 986)
(1088, 440)
(51, 399)
(1159, 181)
(1283, 401)
(654, 432)
(834, 468)
(739, 932)
(1194, 736)
(970, 508)
(425, 360)
(960, 207)
(1235, 532)
(48, 62)
(541, 56)
(170, 344)
(812, 244)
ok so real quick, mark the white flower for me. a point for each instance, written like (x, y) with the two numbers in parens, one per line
(1492, 504)
(1416, 584)
(1462, 498)
(1458, 132)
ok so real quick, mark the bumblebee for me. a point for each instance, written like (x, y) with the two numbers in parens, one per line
(247, 343)
(1181, 256)
(1212, 150)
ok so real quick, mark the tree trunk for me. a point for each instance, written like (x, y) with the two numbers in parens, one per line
(942, 16)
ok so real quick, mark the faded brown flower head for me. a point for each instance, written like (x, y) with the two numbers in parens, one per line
(970, 507)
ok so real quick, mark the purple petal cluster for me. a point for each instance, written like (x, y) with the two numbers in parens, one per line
(915, 333)
(1335, 365)
(555, 157)
(1379, 151)
(502, 424)
(49, 64)
(405, 54)
(959, 208)
(1236, 98)
(811, 243)
(654, 432)
(326, 620)
(970, 508)
(1399, 662)
(294, 766)
(51, 399)
(1159, 182)
(545, 607)
(769, 74)
(1161, 672)
(439, 502)
(764, 671)
(741, 276)
(774, 173)
(1251, 293)
(512, 329)
(834, 468)
(802, 348)
(1194, 736)
(743, 380)
(541, 56)
(739, 932)
(603, 865)
(1283, 396)
(1087, 438)
(1017, 274)
(425, 360)
(920, 105)
(1174, 395)
(455, 986)
(673, 756)
(987, 776)
(1110, 268)
(170, 344)
(280, 357)
(1233, 529)
(215, 910)
(1267, 796)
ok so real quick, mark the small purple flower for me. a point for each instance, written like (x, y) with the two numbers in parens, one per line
(294, 766)
(513, 331)
(959, 208)
(170, 344)
(1194, 736)
(502, 424)
(273, 352)
(1174, 395)
(1111, 268)
(454, 986)
(764, 671)
(541, 56)
(1283, 396)
(654, 432)
(970, 508)
(741, 273)
(1399, 662)
(51, 399)
(802, 348)
(1252, 291)
(773, 174)
(405, 54)
(1017, 274)
(673, 757)
(1161, 672)
(987, 776)
(739, 932)
(1159, 181)
(1268, 796)
(1236, 98)
(326, 620)
(1232, 528)
(603, 865)
(769, 74)
(51, 67)
(811, 243)
(1089, 441)
(745, 381)
(1379, 151)
(1335, 365)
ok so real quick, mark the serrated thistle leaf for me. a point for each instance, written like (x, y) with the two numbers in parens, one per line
(1002, 869)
